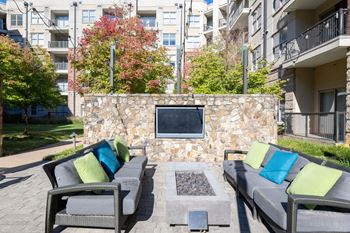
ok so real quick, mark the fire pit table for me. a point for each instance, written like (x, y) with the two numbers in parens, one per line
(192, 188)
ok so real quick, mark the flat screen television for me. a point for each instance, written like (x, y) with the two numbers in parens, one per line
(180, 122)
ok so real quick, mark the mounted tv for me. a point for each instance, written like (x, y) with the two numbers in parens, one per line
(180, 121)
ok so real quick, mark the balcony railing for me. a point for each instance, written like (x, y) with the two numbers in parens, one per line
(208, 27)
(58, 44)
(222, 22)
(236, 10)
(61, 66)
(324, 31)
(325, 126)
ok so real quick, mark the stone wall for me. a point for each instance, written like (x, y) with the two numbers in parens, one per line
(231, 121)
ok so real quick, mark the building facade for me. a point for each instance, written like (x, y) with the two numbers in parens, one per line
(51, 26)
(307, 44)
(3, 28)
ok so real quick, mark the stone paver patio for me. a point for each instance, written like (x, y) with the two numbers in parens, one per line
(23, 200)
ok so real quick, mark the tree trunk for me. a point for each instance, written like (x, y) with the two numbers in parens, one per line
(25, 121)
(1, 112)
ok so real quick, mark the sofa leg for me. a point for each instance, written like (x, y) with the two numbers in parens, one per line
(255, 213)
(225, 179)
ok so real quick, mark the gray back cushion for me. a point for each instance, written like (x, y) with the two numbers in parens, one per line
(66, 174)
(299, 164)
(269, 155)
(341, 189)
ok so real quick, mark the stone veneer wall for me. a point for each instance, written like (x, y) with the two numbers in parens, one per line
(231, 121)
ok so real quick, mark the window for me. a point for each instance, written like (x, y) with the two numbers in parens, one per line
(279, 42)
(277, 4)
(37, 39)
(256, 57)
(2, 24)
(36, 18)
(169, 39)
(148, 21)
(89, 16)
(257, 19)
(169, 18)
(172, 59)
(179, 121)
(17, 20)
(193, 42)
(62, 21)
(194, 21)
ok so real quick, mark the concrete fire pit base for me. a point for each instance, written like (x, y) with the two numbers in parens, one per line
(178, 206)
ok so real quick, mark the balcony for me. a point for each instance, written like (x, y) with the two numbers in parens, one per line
(320, 44)
(149, 21)
(294, 5)
(222, 23)
(208, 28)
(58, 44)
(238, 15)
(61, 67)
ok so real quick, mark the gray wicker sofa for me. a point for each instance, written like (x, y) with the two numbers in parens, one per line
(286, 213)
(102, 205)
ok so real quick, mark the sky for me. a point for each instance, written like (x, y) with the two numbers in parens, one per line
(208, 1)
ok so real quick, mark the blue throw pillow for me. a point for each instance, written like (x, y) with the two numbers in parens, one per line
(107, 157)
(277, 169)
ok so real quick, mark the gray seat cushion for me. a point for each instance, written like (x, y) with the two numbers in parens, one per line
(299, 164)
(128, 173)
(66, 174)
(233, 167)
(91, 204)
(341, 189)
(274, 204)
(137, 161)
(250, 182)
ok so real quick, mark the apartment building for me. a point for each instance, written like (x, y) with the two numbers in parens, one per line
(199, 23)
(307, 44)
(215, 16)
(3, 29)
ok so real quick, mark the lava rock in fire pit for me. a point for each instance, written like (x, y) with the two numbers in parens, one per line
(193, 184)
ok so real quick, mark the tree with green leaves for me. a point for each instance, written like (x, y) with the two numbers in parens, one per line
(30, 81)
(140, 66)
(211, 73)
(10, 59)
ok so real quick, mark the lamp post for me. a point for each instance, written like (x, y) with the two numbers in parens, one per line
(26, 5)
(75, 4)
(245, 68)
(179, 51)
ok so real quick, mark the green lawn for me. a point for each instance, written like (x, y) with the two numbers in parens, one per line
(39, 135)
(338, 154)
(62, 154)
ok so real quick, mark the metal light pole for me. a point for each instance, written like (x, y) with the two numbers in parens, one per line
(179, 53)
(75, 4)
(245, 68)
(111, 66)
(26, 5)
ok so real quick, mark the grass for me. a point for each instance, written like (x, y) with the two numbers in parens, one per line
(62, 154)
(39, 135)
(337, 154)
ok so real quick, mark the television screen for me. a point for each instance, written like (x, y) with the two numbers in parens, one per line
(180, 122)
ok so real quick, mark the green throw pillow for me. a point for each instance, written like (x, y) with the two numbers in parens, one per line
(256, 154)
(314, 180)
(122, 148)
(90, 170)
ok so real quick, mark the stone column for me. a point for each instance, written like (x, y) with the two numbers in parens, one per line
(347, 117)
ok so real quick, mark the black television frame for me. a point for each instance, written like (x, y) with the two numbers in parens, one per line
(179, 135)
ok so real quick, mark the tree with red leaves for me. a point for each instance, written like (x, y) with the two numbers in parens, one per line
(140, 66)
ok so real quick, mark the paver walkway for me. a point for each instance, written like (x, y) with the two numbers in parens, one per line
(36, 155)
(23, 200)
